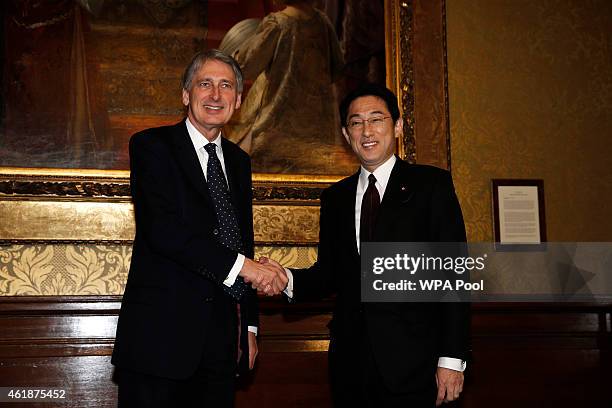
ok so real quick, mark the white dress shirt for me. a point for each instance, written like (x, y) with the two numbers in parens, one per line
(199, 141)
(382, 174)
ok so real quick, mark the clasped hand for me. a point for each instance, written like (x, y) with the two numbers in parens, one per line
(266, 276)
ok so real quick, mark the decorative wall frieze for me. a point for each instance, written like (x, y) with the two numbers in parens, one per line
(74, 270)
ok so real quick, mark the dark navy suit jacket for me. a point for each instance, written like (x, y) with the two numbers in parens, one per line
(419, 205)
(174, 300)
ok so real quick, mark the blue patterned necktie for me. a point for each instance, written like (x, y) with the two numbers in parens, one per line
(227, 231)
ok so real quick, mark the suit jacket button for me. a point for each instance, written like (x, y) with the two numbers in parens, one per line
(208, 299)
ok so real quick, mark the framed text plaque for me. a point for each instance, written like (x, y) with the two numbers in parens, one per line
(518, 211)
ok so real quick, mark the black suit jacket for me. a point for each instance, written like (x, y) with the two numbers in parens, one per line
(419, 205)
(174, 301)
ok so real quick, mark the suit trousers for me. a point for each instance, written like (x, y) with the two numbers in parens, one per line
(355, 379)
(211, 385)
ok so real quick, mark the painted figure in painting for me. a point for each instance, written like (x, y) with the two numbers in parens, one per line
(288, 121)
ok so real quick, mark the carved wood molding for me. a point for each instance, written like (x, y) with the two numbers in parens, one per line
(19, 183)
(430, 75)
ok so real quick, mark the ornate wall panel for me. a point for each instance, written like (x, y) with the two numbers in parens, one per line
(63, 269)
(54, 220)
(67, 220)
(86, 269)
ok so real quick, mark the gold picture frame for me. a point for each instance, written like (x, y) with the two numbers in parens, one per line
(43, 205)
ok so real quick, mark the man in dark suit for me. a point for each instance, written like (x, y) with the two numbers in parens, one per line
(187, 311)
(385, 354)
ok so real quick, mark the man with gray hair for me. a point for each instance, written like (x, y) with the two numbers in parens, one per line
(189, 317)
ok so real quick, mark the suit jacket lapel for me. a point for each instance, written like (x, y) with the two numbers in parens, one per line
(348, 208)
(232, 171)
(187, 159)
(399, 191)
(399, 188)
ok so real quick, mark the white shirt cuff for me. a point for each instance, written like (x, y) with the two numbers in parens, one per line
(233, 274)
(289, 289)
(252, 329)
(452, 363)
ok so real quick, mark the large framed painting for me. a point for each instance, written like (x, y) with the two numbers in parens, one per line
(80, 76)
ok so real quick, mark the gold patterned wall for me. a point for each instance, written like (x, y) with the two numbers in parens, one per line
(530, 93)
(34, 270)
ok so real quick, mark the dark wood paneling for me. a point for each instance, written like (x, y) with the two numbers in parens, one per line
(540, 355)
(527, 355)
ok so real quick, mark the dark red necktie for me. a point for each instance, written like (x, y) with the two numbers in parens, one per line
(369, 211)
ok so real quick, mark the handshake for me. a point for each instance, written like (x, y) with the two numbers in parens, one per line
(267, 276)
